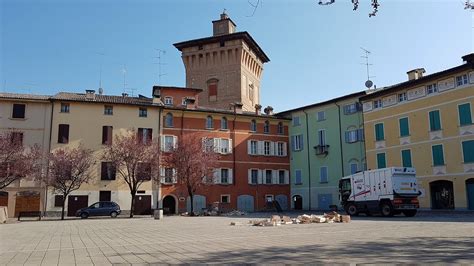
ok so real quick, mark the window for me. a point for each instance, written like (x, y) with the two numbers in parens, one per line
(107, 171)
(63, 133)
(225, 198)
(183, 101)
(224, 176)
(322, 137)
(224, 146)
(402, 97)
(281, 177)
(268, 176)
(107, 135)
(168, 100)
(461, 80)
(144, 171)
(381, 162)
(404, 127)
(354, 135)
(281, 129)
(406, 158)
(298, 180)
(18, 110)
(209, 122)
(435, 121)
(58, 200)
(268, 198)
(266, 148)
(281, 149)
(354, 168)
(169, 174)
(323, 174)
(295, 120)
(212, 85)
(169, 120)
(142, 112)
(438, 155)
(253, 126)
(64, 108)
(377, 104)
(105, 196)
(168, 143)
(254, 176)
(297, 142)
(379, 132)
(145, 135)
(266, 127)
(468, 151)
(432, 88)
(224, 123)
(465, 117)
(321, 116)
(253, 147)
(17, 138)
(352, 108)
(108, 110)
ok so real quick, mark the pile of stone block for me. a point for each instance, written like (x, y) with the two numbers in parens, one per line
(276, 220)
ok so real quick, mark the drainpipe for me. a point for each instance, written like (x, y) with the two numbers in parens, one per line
(158, 194)
(340, 138)
(47, 165)
(233, 147)
(309, 162)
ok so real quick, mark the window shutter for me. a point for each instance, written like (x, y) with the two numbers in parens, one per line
(260, 177)
(260, 147)
(274, 176)
(293, 142)
(175, 142)
(162, 171)
(347, 136)
(285, 152)
(230, 146)
(249, 146)
(231, 176)
(287, 177)
(301, 142)
(249, 176)
(217, 146)
(103, 171)
(217, 176)
(162, 143)
(104, 135)
(174, 175)
(272, 148)
(140, 135)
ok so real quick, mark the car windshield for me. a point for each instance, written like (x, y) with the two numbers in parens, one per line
(95, 205)
(345, 184)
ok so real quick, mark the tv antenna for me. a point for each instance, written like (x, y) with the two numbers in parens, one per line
(124, 73)
(100, 70)
(160, 54)
(369, 82)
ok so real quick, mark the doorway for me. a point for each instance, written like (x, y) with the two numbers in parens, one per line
(169, 205)
(297, 202)
(470, 193)
(442, 195)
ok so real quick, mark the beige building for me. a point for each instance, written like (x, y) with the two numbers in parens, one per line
(29, 115)
(227, 66)
(92, 120)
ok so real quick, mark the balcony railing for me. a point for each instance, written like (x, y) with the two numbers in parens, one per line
(168, 180)
(322, 149)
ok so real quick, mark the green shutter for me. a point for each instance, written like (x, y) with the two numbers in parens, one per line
(381, 163)
(406, 158)
(465, 114)
(379, 134)
(435, 121)
(468, 151)
(438, 157)
(404, 129)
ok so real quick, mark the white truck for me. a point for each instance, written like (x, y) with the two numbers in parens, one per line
(388, 191)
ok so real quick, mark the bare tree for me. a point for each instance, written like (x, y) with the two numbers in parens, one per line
(194, 160)
(469, 5)
(17, 161)
(136, 159)
(374, 3)
(69, 168)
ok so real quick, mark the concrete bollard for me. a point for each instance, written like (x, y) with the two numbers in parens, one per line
(158, 214)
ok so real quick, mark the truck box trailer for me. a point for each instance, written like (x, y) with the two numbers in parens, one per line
(388, 191)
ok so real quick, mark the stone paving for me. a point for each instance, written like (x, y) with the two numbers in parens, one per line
(428, 238)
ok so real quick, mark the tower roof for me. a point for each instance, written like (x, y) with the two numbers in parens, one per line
(228, 37)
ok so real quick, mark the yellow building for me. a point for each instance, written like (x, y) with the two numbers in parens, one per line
(427, 123)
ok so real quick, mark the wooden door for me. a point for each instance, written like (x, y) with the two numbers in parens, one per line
(142, 205)
(75, 203)
(27, 203)
(4, 198)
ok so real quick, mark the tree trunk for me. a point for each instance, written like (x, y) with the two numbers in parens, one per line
(132, 206)
(62, 209)
(191, 196)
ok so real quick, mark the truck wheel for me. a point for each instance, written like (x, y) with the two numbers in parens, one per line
(409, 213)
(386, 209)
(351, 209)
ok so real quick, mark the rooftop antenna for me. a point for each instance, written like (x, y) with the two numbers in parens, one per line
(369, 82)
(124, 73)
(160, 53)
(100, 70)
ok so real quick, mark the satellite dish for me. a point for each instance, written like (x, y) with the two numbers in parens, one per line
(369, 84)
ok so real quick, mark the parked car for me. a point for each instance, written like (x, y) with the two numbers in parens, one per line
(101, 208)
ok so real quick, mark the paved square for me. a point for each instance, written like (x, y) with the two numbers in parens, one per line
(430, 237)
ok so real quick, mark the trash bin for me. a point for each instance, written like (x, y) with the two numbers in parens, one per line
(158, 214)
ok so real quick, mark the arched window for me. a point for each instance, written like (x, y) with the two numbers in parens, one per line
(253, 125)
(224, 123)
(209, 122)
(169, 120)
(281, 130)
(266, 127)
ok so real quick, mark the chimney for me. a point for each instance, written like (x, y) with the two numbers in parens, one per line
(237, 107)
(124, 94)
(268, 110)
(90, 94)
(223, 26)
(415, 73)
(156, 94)
(190, 103)
(469, 58)
(258, 109)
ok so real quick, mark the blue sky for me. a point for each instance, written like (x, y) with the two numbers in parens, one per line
(51, 46)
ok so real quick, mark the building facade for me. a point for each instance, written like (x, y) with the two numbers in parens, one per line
(29, 116)
(426, 123)
(327, 143)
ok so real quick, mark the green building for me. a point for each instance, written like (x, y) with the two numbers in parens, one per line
(327, 143)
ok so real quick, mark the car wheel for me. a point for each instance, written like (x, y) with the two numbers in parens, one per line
(351, 209)
(410, 213)
(113, 214)
(386, 209)
(84, 215)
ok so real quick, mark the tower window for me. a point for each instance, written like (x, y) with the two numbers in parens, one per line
(212, 89)
(222, 43)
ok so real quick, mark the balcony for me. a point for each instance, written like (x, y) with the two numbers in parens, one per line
(322, 150)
